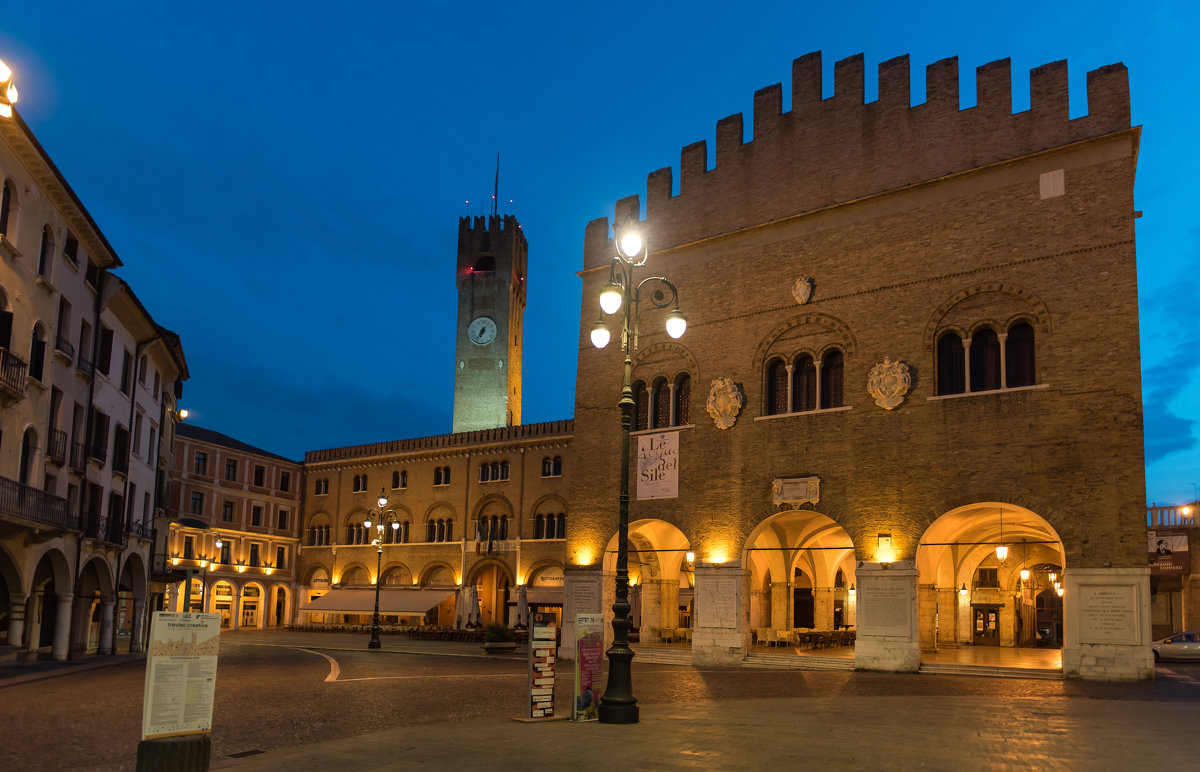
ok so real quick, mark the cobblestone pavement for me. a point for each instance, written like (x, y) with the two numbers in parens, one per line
(289, 709)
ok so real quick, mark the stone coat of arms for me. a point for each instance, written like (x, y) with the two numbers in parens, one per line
(802, 289)
(724, 402)
(888, 382)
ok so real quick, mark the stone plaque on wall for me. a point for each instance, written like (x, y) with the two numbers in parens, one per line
(1107, 613)
(585, 596)
(717, 598)
(884, 608)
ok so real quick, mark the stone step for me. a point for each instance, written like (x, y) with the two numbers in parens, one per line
(992, 671)
(662, 655)
(793, 662)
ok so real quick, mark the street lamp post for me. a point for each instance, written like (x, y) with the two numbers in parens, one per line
(618, 705)
(384, 517)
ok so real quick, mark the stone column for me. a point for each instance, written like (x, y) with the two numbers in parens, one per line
(887, 617)
(822, 608)
(62, 626)
(16, 618)
(1106, 623)
(107, 642)
(947, 601)
(135, 627)
(235, 610)
(781, 606)
(927, 616)
(722, 636)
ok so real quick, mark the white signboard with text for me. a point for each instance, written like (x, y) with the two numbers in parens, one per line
(658, 466)
(181, 673)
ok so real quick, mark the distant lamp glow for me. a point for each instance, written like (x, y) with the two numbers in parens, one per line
(1186, 511)
(676, 323)
(1052, 576)
(367, 523)
(610, 297)
(963, 591)
(690, 557)
(852, 591)
(1001, 552)
(1059, 590)
(600, 334)
(1024, 574)
(382, 499)
(630, 243)
(183, 414)
(8, 91)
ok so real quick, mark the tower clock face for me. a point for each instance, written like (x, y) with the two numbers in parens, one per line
(482, 331)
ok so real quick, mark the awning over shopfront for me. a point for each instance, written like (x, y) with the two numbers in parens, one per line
(392, 600)
(541, 596)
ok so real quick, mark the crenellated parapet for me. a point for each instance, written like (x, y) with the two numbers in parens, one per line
(495, 236)
(826, 151)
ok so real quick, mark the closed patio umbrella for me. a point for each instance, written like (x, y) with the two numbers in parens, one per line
(474, 617)
(522, 607)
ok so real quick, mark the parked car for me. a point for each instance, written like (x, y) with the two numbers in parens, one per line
(1177, 646)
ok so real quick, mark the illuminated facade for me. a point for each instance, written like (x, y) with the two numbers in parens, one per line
(913, 338)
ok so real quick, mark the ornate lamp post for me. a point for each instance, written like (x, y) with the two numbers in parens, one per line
(618, 705)
(383, 518)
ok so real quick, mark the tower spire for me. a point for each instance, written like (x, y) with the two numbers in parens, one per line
(496, 190)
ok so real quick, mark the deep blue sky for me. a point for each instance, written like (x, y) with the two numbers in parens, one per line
(283, 180)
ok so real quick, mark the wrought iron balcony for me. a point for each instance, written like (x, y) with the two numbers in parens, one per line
(56, 448)
(78, 456)
(85, 366)
(104, 528)
(64, 347)
(12, 375)
(26, 503)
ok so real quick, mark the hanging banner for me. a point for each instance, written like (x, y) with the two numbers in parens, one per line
(181, 672)
(1169, 554)
(589, 648)
(543, 637)
(658, 466)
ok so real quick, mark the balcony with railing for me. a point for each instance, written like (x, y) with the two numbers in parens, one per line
(12, 376)
(1179, 516)
(78, 456)
(104, 528)
(64, 348)
(26, 503)
(84, 366)
(56, 447)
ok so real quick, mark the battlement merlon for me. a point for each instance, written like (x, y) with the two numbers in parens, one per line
(500, 236)
(825, 150)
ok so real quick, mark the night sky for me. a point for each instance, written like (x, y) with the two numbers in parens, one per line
(283, 181)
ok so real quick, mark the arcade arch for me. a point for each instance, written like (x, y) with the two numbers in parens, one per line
(661, 579)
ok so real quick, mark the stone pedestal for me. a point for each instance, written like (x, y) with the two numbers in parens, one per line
(1106, 624)
(722, 632)
(582, 594)
(887, 617)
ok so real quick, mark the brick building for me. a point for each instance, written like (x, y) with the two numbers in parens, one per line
(919, 326)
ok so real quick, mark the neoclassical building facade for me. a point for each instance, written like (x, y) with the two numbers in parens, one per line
(912, 339)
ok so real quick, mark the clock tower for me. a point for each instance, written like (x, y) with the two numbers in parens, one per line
(491, 304)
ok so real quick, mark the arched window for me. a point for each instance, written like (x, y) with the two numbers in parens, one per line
(485, 263)
(550, 527)
(483, 473)
(1019, 356)
(449, 529)
(445, 475)
(395, 479)
(683, 395)
(839, 581)
(403, 478)
(832, 365)
(557, 466)
(504, 527)
(951, 377)
(777, 388)
(28, 447)
(804, 384)
(441, 530)
(547, 468)
(641, 407)
(540, 529)
(985, 360)
(495, 470)
(504, 470)
(37, 352)
(662, 404)
(8, 199)
(431, 531)
(562, 525)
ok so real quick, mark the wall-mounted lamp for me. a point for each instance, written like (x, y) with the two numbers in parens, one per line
(8, 91)
(852, 590)
(963, 591)
(883, 551)
(183, 414)
(690, 557)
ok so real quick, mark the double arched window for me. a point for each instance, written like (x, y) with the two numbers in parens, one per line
(494, 528)
(804, 383)
(552, 467)
(986, 360)
(441, 475)
(662, 403)
(400, 479)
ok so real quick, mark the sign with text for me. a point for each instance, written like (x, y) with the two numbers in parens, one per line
(181, 673)
(658, 466)
(1169, 554)
(589, 648)
(543, 637)
(1107, 613)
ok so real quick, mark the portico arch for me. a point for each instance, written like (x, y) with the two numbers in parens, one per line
(661, 579)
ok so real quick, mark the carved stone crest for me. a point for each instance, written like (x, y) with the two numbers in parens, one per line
(791, 492)
(724, 402)
(802, 289)
(888, 382)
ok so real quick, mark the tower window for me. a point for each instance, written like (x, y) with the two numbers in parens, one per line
(485, 263)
